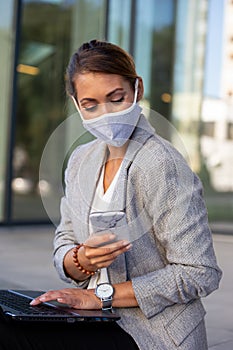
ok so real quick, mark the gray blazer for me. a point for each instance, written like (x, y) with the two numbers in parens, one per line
(171, 264)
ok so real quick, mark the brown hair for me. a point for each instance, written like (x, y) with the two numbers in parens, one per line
(102, 57)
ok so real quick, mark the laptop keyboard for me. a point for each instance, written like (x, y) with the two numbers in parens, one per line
(20, 303)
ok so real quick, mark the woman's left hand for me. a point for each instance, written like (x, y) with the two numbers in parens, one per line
(73, 297)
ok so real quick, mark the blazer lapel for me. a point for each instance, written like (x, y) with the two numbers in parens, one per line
(142, 132)
(118, 269)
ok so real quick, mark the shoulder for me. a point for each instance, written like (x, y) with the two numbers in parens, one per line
(160, 168)
(153, 146)
(158, 154)
(81, 151)
(77, 157)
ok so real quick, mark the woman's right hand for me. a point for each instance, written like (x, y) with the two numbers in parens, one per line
(97, 252)
(100, 251)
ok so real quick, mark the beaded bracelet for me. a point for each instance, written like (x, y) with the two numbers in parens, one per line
(76, 262)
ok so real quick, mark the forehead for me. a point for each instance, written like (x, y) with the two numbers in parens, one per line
(91, 84)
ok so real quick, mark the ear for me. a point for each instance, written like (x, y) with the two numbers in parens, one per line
(140, 89)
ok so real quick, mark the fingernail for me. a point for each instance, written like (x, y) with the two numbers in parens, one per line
(33, 302)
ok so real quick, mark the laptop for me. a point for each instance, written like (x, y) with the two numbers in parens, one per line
(15, 306)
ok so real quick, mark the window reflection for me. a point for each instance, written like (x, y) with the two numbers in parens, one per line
(216, 144)
(44, 49)
(154, 59)
(119, 22)
(50, 31)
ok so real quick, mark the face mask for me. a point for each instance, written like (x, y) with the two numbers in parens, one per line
(114, 128)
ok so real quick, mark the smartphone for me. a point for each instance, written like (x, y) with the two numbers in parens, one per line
(110, 221)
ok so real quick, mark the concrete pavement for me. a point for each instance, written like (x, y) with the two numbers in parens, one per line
(26, 262)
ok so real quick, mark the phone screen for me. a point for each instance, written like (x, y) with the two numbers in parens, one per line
(110, 221)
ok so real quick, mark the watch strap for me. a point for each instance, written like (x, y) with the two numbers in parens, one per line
(107, 304)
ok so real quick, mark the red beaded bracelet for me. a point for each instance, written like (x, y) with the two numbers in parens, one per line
(76, 262)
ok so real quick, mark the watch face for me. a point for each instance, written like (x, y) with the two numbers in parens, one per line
(104, 290)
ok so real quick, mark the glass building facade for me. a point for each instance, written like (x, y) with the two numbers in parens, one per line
(170, 42)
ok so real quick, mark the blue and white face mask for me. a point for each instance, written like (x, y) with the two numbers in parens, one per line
(114, 128)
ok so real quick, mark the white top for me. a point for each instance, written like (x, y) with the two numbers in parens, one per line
(101, 203)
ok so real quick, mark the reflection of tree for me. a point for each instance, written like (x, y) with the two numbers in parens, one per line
(41, 97)
(161, 70)
(161, 74)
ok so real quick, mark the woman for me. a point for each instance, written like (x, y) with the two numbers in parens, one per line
(166, 263)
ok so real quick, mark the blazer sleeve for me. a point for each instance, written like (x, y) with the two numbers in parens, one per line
(65, 238)
(175, 204)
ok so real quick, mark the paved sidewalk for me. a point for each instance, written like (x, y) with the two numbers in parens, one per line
(219, 305)
(26, 262)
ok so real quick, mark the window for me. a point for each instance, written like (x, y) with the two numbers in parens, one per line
(208, 129)
(50, 32)
(6, 72)
(230, 131)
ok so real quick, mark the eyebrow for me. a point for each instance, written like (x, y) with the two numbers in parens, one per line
(108, 95)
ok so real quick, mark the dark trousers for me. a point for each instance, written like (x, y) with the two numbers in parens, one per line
(80, 336)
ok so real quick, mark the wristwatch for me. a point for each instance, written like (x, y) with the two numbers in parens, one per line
(105, 291)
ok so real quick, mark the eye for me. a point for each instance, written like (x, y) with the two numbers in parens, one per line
(91, 108)
(118, 100)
